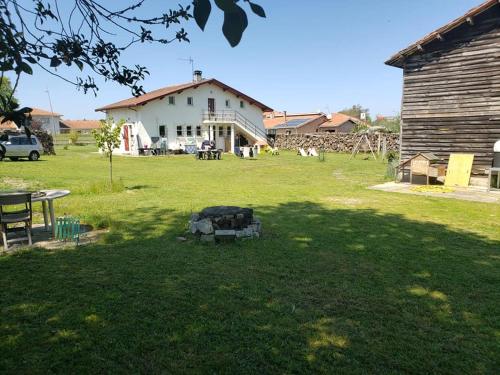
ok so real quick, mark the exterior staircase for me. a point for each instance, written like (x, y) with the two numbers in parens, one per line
(236, 118)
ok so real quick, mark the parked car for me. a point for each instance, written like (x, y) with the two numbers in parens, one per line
(15, 147)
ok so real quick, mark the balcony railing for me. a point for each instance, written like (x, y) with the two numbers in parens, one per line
(237, 118)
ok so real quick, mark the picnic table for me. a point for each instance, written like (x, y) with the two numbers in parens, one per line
(208, 154)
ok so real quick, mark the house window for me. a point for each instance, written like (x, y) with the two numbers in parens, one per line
(228, 129)
(221, 131)
(242, 104)
(190, 100)
(179, 130)
(189, 131)
(198, 131)
(228, 103)
(162, 131)
(171, 100)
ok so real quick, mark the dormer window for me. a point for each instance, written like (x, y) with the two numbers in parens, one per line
(171, 100)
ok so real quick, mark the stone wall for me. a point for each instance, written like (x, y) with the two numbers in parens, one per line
(335, 142)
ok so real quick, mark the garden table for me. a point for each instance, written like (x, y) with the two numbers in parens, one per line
(47, 198)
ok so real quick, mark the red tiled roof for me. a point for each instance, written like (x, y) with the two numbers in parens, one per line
(279, 118)
(8, 125)
(161, 93)
(42, 112)
(339, 119)
(398, 59)
(81, 124)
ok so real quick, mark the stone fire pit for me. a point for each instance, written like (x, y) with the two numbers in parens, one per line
(222, 223)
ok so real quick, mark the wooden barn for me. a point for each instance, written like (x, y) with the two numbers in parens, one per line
(451, 92)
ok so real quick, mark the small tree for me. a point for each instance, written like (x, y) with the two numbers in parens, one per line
(73, 137)
(107, 138)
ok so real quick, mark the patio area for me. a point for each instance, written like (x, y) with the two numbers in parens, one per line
(473, 194)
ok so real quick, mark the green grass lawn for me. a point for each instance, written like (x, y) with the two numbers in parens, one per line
(345, 279)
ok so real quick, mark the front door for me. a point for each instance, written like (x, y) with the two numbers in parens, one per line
(211, 105)
(126, 138)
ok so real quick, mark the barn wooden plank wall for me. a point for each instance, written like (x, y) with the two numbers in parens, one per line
(451, 99)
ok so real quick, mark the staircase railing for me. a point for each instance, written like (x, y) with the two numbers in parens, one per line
(237, 118)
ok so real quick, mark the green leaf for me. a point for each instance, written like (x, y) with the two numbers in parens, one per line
(201, 12)
(79, 64)
(235, 23)
(225, 5)
(26, 68)
(54, 62)
(258, 10)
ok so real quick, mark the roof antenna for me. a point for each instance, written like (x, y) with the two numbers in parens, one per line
(191, 61)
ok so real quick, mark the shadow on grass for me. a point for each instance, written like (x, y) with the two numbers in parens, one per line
(324, 291)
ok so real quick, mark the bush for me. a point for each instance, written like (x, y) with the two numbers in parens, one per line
(73, 137)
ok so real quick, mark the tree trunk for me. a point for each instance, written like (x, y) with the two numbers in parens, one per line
(111, 169)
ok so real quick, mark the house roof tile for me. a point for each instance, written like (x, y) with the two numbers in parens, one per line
(161, 93)
(81, 124)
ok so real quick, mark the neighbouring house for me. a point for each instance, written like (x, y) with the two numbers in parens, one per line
(340, 123)
(452, 89)
(45, 120)
(7, 126)
(80, 126)
(278, 123)
(183, 116)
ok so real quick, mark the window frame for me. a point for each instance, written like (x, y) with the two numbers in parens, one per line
(171, 100)
(189, 130)
(198, 131)
(242, 104)
(228, 103)
(190, 99)
(180, 129)
(164, 130)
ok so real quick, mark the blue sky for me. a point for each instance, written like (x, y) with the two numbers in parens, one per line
(306, 56)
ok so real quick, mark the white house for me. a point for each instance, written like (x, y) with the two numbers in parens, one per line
(181, 117)
(46, 120)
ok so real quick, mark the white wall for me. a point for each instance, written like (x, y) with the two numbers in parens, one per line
(48, 123)
(146, 120)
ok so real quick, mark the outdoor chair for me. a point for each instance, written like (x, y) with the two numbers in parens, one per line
(274, 150)
(312, 152)
(15, 216)
(302, 152)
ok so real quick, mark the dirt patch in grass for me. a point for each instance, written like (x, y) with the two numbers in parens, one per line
(14, 183)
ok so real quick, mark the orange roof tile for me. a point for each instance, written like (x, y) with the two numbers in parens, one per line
(339, 119)
(42, 112)
(81, 124)
(8, 125)
(161, 93)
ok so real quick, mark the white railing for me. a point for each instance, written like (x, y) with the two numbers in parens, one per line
(236, 118)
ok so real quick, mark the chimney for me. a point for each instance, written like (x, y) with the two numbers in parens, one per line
(197, 76)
